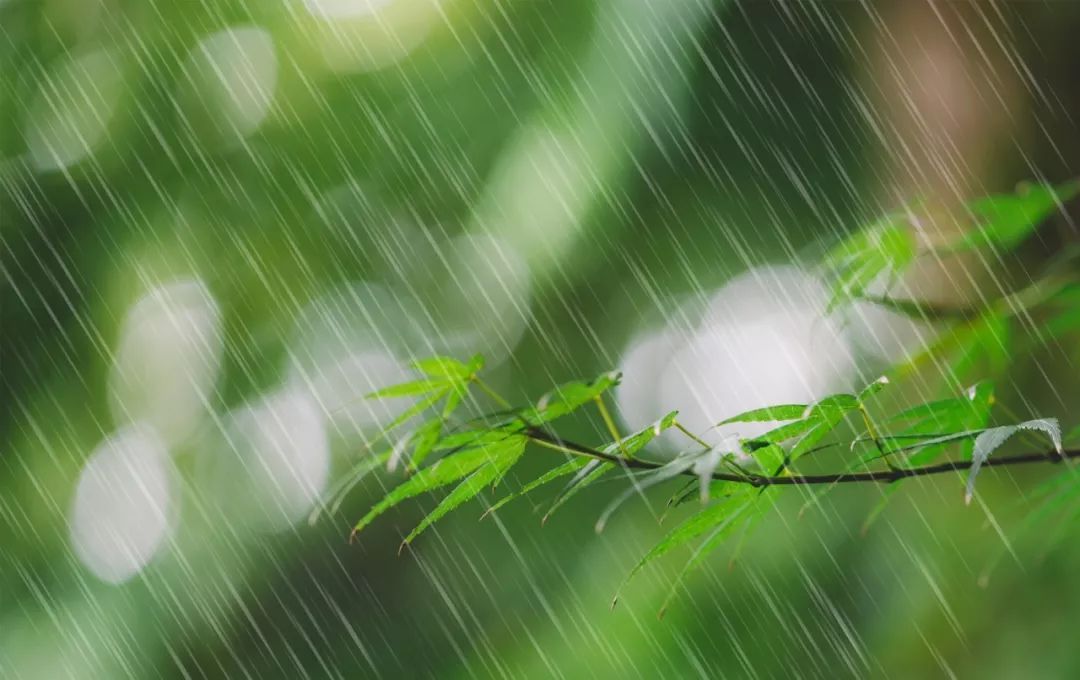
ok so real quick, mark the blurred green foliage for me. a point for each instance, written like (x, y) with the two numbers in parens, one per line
(704, 138)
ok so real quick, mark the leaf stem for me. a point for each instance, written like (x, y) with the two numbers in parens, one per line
(610, 423)
(486, 389)
(696, 439)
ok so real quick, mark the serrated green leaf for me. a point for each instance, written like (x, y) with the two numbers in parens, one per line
(475, 437)
(489, 473)
(408, 389)
(567, 398)
(752, 511)
(770, 458)
(592, 471)
(337, 493)
(695, 526)
(423, 441)
(833, 405)
(445, 368)
(568, 468)
(457, 392)
(943, 423)
(769, 413)
(883, 249)
(444, 471)
(779, 435)
(640, 439)
(990, 440)
(644, 481)
(414, 410)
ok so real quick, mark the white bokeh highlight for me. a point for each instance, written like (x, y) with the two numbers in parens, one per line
(166, 365)
(230, 79)
(275, 463)
(348, 343)
(764, 338)
(70, 116)
(124, 504)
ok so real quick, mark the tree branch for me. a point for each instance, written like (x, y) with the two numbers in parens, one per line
(881, 476)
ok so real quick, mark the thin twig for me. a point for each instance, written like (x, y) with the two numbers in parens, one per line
(879, 476)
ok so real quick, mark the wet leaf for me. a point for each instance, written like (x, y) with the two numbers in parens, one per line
(1004, 221)
(444, 471)
(488, 473)
(784, 412)
(568, 468)
(408, 389)
(991, 440)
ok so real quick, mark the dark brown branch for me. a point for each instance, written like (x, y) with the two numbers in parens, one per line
(881, 476)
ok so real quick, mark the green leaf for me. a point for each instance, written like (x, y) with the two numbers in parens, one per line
(779, 435)
(708, 519)
(783, 412)
(640, 439)
(591, 472)
(489, 473)
(1006, 220)
(881, 250)
(833, 405)
(445, 471)
(423, 442)
(568, 468)
(822, 427)
(337, 493)
(943, 423)
(758, 505)
(474, 437)
(412, 411)
(567, 398)
(408, 389)
(770, 458)
(641, 482)
(443, 367)
(872, 390)
(992, 439)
